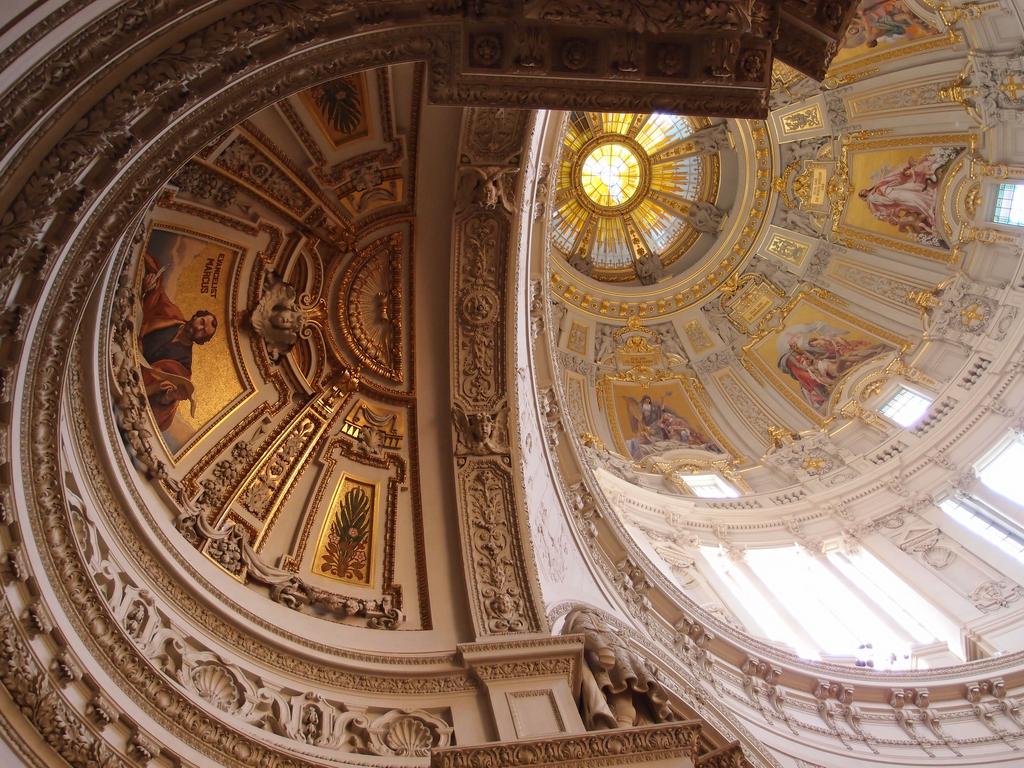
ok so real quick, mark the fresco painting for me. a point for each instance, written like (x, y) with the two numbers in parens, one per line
(881, 25)
(185, 360)
(896, 192)
(656, 418)
(813, 351)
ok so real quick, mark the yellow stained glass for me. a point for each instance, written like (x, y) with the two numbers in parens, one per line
(610, 175)
(617, 122)
(624, 182)
(661, 130)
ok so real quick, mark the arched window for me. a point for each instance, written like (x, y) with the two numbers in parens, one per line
(905, 407)
(709, 487)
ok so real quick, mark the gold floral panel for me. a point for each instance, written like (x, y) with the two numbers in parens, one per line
(787, 247)
(339, 108)
(344, 550)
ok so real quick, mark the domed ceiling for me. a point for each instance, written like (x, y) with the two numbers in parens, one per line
(322, 412)
(738, 406)
(634, 192)
(267, 312)
(703, 338)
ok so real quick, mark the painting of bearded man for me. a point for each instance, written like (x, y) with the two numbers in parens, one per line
(166, 343)
(185, 358)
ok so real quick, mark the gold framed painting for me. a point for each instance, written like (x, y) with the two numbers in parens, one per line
(883, 30)
(187, 284)
(813, 350)
(894, 188)
(648, 418)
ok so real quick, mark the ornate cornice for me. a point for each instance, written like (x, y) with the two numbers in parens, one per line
(621, 746)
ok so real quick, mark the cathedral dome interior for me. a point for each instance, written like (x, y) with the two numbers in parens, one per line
(550, 383)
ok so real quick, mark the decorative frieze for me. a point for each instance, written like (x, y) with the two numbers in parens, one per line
(621, 746)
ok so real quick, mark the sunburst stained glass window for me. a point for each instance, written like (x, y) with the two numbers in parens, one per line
(659, 131)
(610, 175)
(622, 188)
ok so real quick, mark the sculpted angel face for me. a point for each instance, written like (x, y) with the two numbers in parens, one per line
(286, 319)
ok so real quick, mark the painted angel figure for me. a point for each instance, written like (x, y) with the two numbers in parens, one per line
(883, 21)
(278, 318)
(656, 428)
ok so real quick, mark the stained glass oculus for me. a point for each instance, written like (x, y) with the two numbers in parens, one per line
(623, 186)
(610, 175)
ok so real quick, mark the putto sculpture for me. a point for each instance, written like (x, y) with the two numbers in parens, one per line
(278, 318)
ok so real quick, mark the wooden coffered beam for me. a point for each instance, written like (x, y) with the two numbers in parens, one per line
(697, 57)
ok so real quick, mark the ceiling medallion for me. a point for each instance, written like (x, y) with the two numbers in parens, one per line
(627, 188)
(611, 175)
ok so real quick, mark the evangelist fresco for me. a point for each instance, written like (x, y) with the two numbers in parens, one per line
(656, 418)
(814, 349)
(896, 192)
(339, 108)
(882, 25)
(185, 359)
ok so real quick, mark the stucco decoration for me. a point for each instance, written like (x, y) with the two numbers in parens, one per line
(619, 688)
(278, 318)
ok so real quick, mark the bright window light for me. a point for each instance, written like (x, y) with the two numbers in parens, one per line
(756, 602)
(840, 604)
(988, 529)
(828, 612)
(914, 615)
(611, 174)
(906, 407)
(1010, 205)
(710, 487)
(1002, 472)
